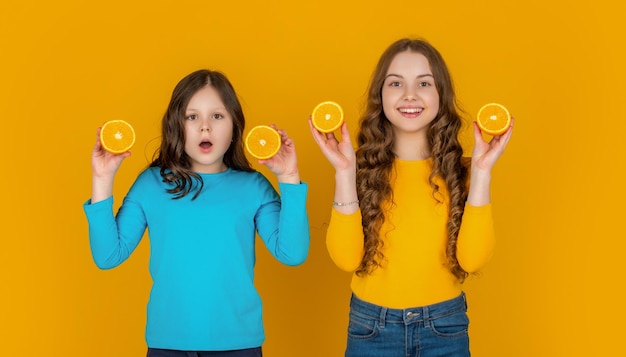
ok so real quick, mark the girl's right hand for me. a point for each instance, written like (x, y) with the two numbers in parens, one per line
(104, 165)
(340, 154)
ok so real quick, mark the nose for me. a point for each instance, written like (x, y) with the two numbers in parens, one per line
(205, 127)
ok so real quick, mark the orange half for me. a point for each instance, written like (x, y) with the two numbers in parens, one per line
(263, 142)
(493, 119)
(327, 117)
(117, 136)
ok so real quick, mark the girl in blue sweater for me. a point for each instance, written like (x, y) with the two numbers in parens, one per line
(203, 205)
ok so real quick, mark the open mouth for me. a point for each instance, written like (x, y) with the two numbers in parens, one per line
(206, 144)
(405, 110)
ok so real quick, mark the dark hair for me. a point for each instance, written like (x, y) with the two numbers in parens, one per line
(375, 155)
(171, 157)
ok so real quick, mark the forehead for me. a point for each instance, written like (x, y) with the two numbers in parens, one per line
(407, 62)
(206, 96)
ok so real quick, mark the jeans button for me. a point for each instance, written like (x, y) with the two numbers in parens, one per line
(411, 315)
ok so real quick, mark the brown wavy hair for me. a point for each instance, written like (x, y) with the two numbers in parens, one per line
(171, 156)
(375, 156)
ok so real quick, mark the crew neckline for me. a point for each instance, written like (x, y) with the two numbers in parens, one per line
(228, 170)
(428, 159)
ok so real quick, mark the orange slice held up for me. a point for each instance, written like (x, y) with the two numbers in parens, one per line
(493, 119)
(327, 117)
(117, 136)
(263, 142)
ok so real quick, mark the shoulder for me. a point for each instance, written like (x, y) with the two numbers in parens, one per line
(148, 179)
(251, 183)
(150, 174)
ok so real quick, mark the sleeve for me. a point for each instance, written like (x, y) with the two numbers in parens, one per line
(114, 238)
(476, 241)
(345, 240)
(283, 223)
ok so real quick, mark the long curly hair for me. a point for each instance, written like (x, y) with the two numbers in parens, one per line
(375, 156)
(171, 156)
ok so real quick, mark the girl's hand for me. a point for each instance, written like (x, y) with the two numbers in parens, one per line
(104, 164)
(340, 154)
(285, 163)
(486, 154)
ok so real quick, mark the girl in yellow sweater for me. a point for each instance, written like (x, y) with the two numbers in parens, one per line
(412, 217)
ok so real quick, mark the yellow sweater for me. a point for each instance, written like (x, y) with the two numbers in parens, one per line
(414, 272)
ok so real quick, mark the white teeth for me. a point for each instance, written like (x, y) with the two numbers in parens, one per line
(411, 110)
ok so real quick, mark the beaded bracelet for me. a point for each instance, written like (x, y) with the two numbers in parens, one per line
(341, 204)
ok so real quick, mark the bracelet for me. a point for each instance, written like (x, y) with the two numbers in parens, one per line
(341, 204)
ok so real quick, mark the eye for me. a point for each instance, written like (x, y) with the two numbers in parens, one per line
(424, 84)
(394, 84)
(217, 116)
(191, 117)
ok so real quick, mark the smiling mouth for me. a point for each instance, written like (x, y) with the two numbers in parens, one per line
(411, 110)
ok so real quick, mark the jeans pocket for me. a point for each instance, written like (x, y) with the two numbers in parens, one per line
(452, 325)
(362, 327)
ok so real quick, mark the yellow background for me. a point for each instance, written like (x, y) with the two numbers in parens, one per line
(554, 287)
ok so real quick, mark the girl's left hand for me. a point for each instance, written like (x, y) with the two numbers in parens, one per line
(285, 163)
(486, 154)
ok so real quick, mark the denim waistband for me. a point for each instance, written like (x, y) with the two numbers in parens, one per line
(411, 314)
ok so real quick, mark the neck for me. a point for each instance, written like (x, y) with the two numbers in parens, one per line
(411, 146)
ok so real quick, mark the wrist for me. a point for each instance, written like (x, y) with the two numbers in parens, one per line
(345, 175)
(481, 175)
(293, 178)
(349, 203)
(480, 188)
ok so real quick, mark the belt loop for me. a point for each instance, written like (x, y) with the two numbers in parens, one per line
(426, 316)
(383, 316)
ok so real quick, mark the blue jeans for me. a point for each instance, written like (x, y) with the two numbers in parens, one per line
(250, 352)
(435, 330)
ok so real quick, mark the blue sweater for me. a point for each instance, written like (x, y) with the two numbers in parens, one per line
(202, 253)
